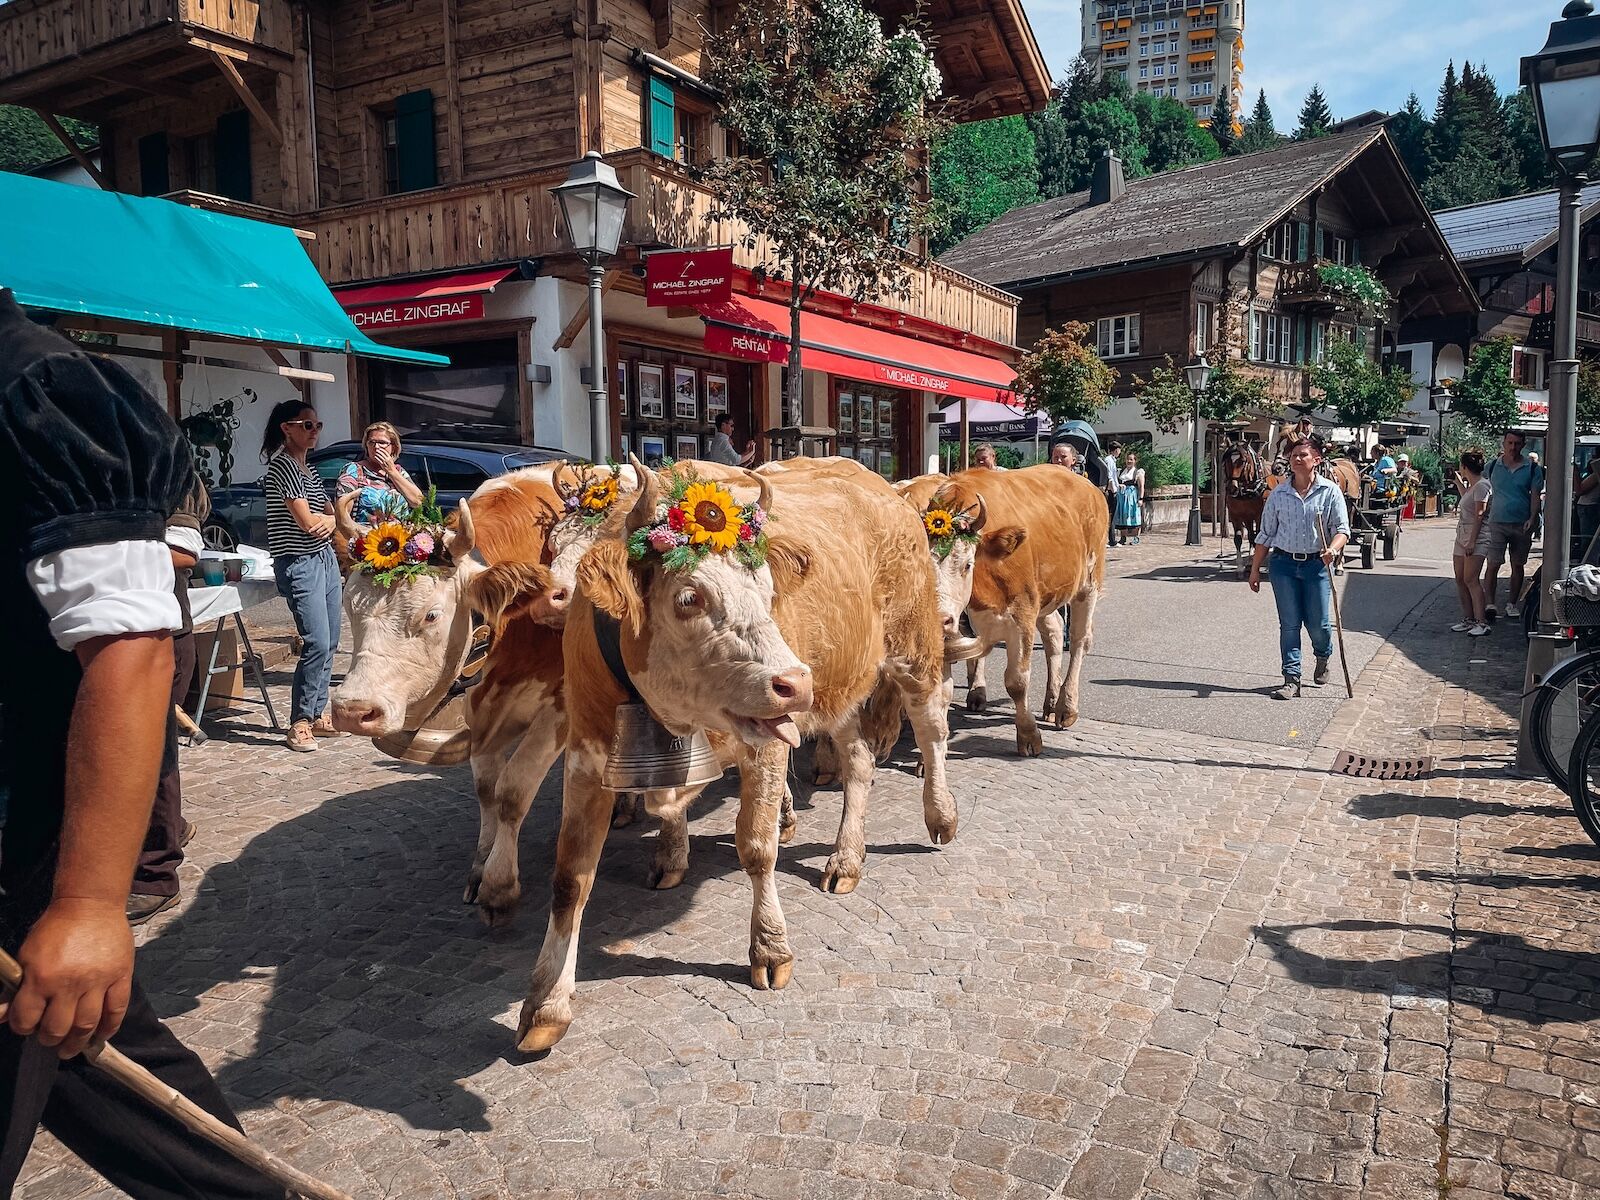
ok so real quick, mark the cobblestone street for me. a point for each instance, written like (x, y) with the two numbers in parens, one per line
(1173, 957)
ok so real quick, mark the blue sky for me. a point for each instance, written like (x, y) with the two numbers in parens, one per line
(1365, 53)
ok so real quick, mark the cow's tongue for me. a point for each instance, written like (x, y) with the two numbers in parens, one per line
(784, 729)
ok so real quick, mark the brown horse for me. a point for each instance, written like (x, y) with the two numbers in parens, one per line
(1245, 473)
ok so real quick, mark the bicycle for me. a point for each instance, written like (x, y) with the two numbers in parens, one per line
(1583, 772)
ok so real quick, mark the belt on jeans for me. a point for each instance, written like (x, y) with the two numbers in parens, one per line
(1298, 557)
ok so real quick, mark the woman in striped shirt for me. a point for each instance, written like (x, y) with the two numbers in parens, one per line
(300, 536)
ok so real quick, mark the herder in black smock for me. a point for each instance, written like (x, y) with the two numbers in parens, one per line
(90, 469)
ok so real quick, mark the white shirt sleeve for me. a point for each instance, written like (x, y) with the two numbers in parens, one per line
(106, 589)
(182, 537)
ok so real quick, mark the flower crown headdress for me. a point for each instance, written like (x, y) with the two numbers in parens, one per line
(694, 518)
(402, 543)
(946, 524)
(589, 496)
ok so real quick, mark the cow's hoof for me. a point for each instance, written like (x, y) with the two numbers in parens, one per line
(663, 879)
(921, 769)
(625, 811)
(497, 901)
(1066, 720)
(786, 832)
(824, 779)
(943, 832)
(840, 876)
(773, 976)
(977, 699)
(1030, 744)
(470, 895)
(539, 1030)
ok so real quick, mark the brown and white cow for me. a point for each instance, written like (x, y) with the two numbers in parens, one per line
(1041, 546)
(411, 640)
(758, 657)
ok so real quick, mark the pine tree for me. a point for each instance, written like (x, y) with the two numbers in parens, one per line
(1222, 121)
(1447, 118)
(1316, 118)
(1409, 129)
(1259, 132)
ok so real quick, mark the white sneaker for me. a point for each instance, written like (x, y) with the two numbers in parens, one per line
(1461, 627)
(1478, 630)
(1513, 610)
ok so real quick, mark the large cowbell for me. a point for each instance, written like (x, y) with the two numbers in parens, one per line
(646, 757)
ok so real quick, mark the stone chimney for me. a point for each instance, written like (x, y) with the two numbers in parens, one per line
(1108, 182)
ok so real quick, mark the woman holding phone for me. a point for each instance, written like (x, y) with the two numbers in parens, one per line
(377, 478)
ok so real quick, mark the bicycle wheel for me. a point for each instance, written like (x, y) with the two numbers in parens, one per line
(1564, 701)
(1584, 772)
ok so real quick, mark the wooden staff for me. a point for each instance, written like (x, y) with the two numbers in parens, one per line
(185, 1111)
(1338, 625)
(186, 723)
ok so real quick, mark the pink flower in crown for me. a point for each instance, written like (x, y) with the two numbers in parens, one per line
(420, 547)
(758, 518)
(662, 539)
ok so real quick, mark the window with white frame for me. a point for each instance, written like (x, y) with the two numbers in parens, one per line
(1144, 26)
(1161, 68)
(1285, 339)
(1527, 368)
(1117, 337)
(1272, 339)
(1144, 72)
(1255, 335)
(1160, 25)
(1204, 315)
(1144, 49)
(1319, 342)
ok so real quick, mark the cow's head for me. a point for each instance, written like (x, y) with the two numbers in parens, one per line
(412, 637)
(698, 636)
(954, 525)
(591, 498)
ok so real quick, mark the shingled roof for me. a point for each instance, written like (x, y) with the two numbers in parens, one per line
(1177, 214)
(1517, 227)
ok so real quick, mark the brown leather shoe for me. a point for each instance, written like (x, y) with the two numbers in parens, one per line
(323, 727)
(300, 738)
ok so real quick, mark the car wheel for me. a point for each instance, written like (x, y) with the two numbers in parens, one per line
(218, 536)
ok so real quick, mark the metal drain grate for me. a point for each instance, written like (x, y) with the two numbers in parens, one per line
(1367, 766)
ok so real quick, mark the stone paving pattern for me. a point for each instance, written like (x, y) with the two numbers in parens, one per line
(1152, 964)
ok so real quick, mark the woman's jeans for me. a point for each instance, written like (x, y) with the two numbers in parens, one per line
(311, 585)
(1302, 592)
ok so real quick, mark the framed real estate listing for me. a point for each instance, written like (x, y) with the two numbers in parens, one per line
(716, 396)
(685, 393)
(847, 413)
(685, 445)
(885, 417)
(864, 411)
(652, 390)
(652, 449)
(622, 388)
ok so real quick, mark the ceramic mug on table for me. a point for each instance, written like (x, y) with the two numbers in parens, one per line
(233, 569)
(212, 571)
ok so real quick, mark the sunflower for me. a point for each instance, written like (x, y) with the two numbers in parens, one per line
(384, 546)
(939, 523)
(597, 497)
(711, 516)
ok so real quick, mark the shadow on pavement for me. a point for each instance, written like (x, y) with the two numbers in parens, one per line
(1579, 850)
(1581, 883)
(1385, 806)
(1501, 969)
(1200, 691)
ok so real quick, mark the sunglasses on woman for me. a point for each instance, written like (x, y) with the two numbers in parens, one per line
(308, 426)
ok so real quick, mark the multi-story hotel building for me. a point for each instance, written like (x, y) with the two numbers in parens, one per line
(1179, 48)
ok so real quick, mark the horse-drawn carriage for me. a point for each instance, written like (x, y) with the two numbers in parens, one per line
(1374, 520)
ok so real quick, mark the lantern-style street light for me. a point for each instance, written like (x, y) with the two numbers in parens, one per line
(594, 205)
(1442, 401)
(1564, 78)
(1198, 376)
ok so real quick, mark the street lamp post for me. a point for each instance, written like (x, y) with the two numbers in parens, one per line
(1564, 78)
(1198, 375)
(594, 205)
(1442, 402)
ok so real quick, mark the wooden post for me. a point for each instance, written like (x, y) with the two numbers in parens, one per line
(77, 151)
(965, 436)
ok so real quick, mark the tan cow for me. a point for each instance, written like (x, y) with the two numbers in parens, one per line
(1041, 545)
(410, 642)
(760, 655)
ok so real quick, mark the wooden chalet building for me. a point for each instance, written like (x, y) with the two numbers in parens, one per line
(1222, 258)
(416, 142)
(1508, 250)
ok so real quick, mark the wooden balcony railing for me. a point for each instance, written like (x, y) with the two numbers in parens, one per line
(517, 217)
(75, 41)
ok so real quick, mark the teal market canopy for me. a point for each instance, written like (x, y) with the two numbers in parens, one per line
(155, 263)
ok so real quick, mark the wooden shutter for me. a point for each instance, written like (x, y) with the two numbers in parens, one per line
(1299, 339)
(155, 178)
(232, 145)
(1305, 243)
(663, 119)
(414, 145)
(1355, 251)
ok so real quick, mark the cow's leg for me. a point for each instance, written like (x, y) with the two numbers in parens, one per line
(1019, 662)
(1050, 635)
(825, 762)
(843, 869)
(787, 821)
(625, 809)
(991, 630)
(487, 765)
(585, 816)
(925, 705)
(762, 782)
(1066, 704)
(672, 843)
(518, 782)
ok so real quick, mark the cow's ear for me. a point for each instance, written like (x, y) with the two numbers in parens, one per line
(503, 590)
(1003, 542)
(604, 577)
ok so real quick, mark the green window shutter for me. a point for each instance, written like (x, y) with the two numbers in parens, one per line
(1355, 251)
(232, 157)
(663, 119)
(413, 119)
(154, 175)
(1299, 339)
(1304, 254)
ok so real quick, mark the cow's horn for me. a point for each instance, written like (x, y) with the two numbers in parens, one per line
(763, 492)
(644, 508)
(458, 542)
(981, 516)
(343, 521)
(557, 478)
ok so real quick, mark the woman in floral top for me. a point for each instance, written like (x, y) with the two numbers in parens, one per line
(381, 484)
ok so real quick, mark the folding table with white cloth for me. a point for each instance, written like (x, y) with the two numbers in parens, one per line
(225, 601)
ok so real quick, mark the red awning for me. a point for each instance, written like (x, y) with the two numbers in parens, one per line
(464, 283)
(759, 329)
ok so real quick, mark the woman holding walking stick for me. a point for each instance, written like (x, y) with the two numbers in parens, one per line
(1300, 515)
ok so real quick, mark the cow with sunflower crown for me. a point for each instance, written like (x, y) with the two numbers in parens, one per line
(759, 607)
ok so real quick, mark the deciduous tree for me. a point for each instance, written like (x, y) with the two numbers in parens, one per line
(982, 170)
(1485, 394)
(1064, 377)
(832, 117)
(1358, 390)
